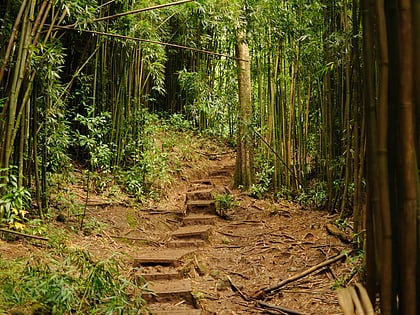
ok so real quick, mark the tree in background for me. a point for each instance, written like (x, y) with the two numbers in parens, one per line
(244, 150)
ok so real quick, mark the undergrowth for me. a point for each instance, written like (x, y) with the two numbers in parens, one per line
(68, 281)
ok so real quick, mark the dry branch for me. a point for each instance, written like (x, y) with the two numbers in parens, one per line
(141, 10)
(274, 288)
(279, 308)
(235, 288)
(24, 235)
(150, 41)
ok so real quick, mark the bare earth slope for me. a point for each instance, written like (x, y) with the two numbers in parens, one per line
(200, 263)
(225, 263)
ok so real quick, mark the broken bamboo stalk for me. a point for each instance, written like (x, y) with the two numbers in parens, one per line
(24, 235)
(274, 288)
(279, 308)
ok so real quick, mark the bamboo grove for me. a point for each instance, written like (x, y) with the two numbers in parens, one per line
(333, 122)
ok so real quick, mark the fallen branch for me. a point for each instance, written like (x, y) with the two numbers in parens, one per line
(24, 235)
(274, 288)
(279, 308)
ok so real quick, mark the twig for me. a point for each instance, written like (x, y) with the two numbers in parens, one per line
(24, 235)
(274, 288)
(279, 308)
(236, 289)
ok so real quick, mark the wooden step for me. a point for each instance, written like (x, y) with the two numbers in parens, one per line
(205, 181)
(220, 180)
(170, 309)
(221, 172)
(199, 219)
(201, 206)
(201, 194)
(186, 243)
(173, 291)
(164, 257)
(160, 276)
(193, 231)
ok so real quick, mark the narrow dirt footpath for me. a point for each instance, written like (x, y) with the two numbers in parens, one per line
(197, 262)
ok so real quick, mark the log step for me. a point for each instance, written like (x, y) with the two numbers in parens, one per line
(165, 257)
(199, 219)
(193, 231)
(170, 291)
(202, 194)
(205, 181)
(221, 172)
(200, 206)
(169, 309)
(160, 276)
(186, 243)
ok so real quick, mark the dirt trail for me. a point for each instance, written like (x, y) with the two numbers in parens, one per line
(200, 263)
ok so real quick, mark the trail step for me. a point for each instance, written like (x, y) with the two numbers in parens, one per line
(201, 194)
(221, 172)
(193, 231)
(160, 276)
(205, 181)
(186, 243)
(165, 291)
(165, 257)
(169, 309)
(199, 219)
(201, 206)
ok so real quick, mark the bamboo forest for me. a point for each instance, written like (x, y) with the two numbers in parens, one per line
(285, 132)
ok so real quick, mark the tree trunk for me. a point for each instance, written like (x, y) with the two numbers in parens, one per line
(244, 158)
(408, 217)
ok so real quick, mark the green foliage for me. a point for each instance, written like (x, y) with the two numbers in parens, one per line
(146, 171)
(94, 141)
(68, 282)
(314, 197)
(14, 202)
(179, 122)
(224, 202)
(93, 226)
(211, 108)
(263, 176)
(356, 268)
(48, 60)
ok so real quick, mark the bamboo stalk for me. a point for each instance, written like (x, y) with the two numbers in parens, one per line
(11, 42)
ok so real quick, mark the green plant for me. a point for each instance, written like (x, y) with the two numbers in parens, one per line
(224, 202)
(14, 201)
(94, 143)
(93, 226)
(356, 267)
(178, 122)
(263, 176)
(314, 197)
(69, 282)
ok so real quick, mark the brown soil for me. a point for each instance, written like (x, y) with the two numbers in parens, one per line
(258, 244)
